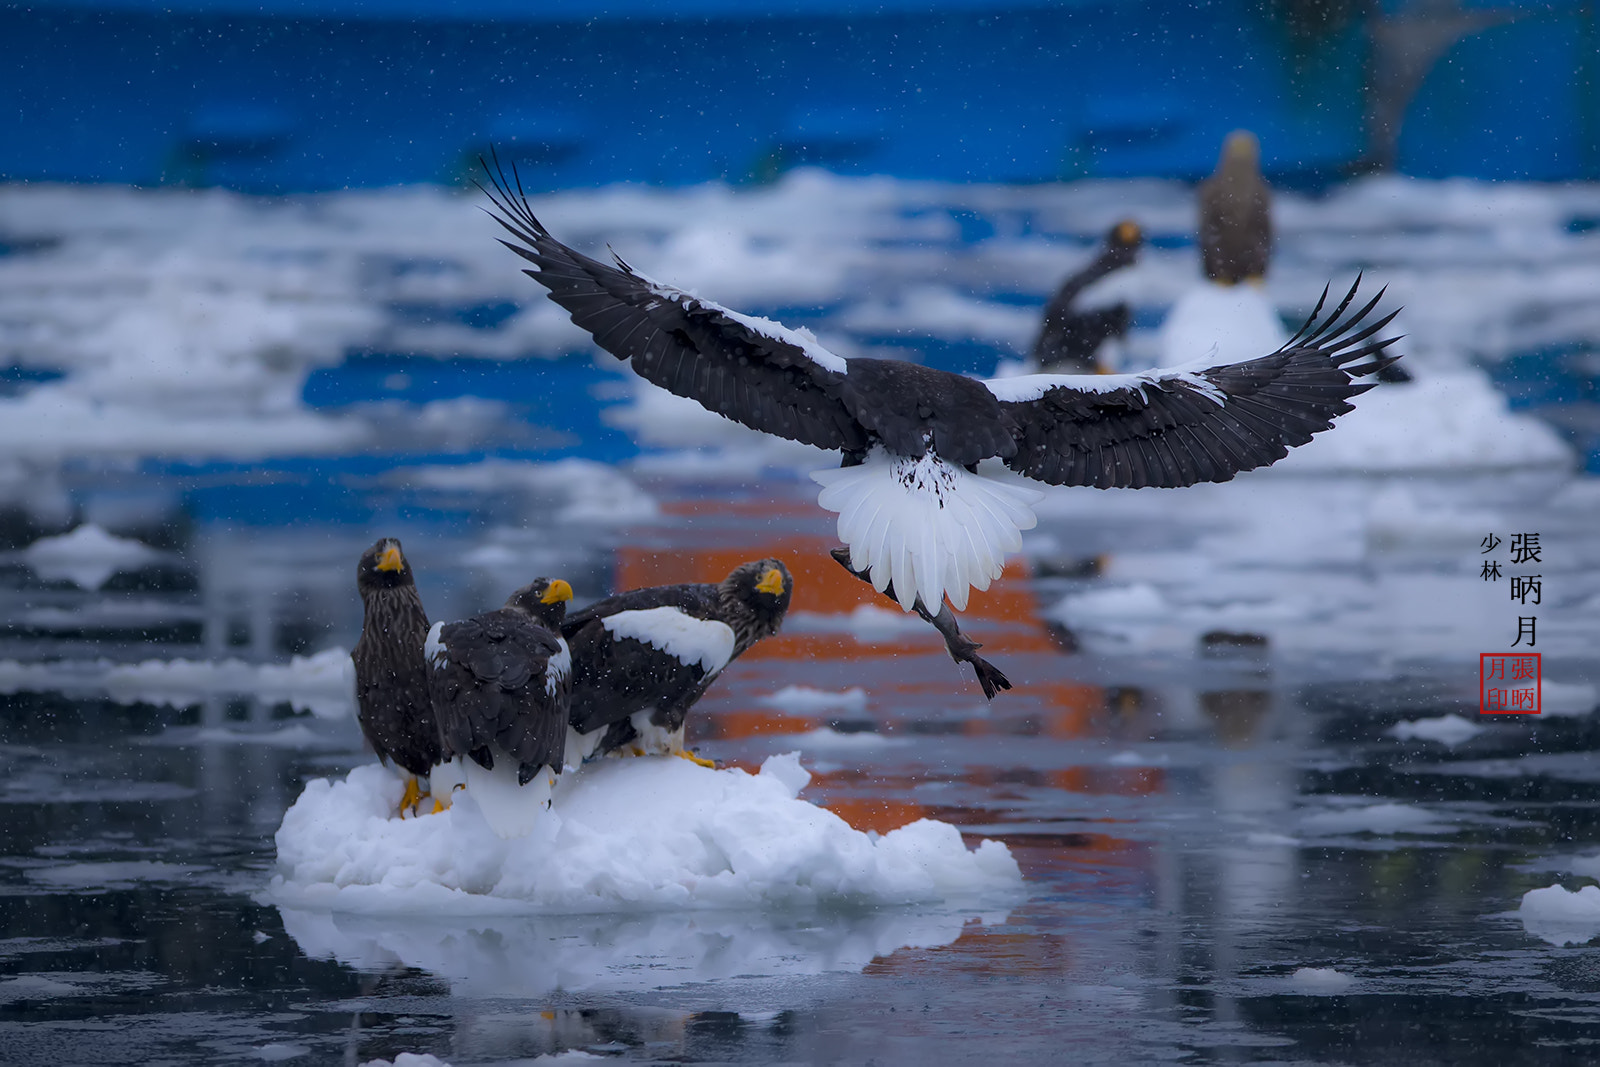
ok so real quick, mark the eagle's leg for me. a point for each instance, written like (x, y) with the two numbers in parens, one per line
(412, 796)
(689, 755)
(962, 648)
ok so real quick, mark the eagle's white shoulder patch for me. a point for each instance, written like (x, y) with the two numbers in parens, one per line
(684, 637)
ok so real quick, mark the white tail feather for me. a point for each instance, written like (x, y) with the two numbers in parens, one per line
(932, 528)
(511, 810)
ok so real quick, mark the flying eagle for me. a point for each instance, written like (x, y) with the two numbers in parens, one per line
(1069, 336)
(913, 508)
(392, 701)
(500, 685)
(641, 659)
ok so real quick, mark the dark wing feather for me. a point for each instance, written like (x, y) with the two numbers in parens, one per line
(612, 678)
(1168, 428)
(489, 691)
(739, 368)
(698, 599)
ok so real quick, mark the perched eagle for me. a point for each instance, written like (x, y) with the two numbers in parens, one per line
(392, 701)
(1236, 214)
(1069, 337)
(641, 659)
(913, 508)
(500, 685)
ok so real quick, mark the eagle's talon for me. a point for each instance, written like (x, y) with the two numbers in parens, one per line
(692, 758)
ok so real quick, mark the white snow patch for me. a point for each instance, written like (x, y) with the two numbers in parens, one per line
(86, 557)
(684, 637)
(1221, 324)
(1446, 729)
(428, 1059)
(323, 684)
(584, 491)
(1567, 699)
(829, 738)
(611, 843)
(1320, 981)
(1376, 819)
(803, 699)
(1553, 914)
(867, 623)
(1447, 419)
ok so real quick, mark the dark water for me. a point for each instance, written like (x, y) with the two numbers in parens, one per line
(1209, 877)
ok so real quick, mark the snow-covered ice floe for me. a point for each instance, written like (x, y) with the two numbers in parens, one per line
(1560, 917)
(621, 835)
(323, 684)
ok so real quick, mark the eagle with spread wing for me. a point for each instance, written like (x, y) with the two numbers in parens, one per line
(913, 508)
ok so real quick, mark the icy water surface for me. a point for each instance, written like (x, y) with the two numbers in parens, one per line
(1257, 814)
(1228, 854)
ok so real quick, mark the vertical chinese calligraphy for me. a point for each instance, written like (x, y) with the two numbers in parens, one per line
(1509, 683)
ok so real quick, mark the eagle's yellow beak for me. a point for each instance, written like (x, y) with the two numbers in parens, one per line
(771, 582)
(557, 592)
(391, 560)
(1128, 233)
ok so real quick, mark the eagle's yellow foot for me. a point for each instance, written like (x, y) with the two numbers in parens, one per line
(408, 799)
(438, 806)
(692, 758)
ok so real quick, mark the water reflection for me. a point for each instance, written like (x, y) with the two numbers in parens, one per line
(532, 957)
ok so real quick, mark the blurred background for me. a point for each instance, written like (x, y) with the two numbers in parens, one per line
(252, 318)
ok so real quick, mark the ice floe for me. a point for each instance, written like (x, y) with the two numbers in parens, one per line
(323, 684)
(1559, 916)
(1446, 729)
(804, 699)
(86, 556)
(1320, 981)
(621, 835)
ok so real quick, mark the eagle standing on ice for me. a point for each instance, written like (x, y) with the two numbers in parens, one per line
(500, 685)
(392, 702)
(641, 659)
(1070, 336)
(913, 508)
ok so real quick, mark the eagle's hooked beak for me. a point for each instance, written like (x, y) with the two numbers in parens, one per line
(771, 582)
(391, 560)
(557, 591)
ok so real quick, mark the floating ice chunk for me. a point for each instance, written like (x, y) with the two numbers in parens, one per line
(324, 683)
(1320, 981)
(1446, 729)
(1445, 420)
(867, 623)
(36, 987)
(1218, 324)
(1552, 914)
(589, 492)
(621, 835)
(826, 737)
(1376, 819)
(801, 699)
(278, 1051)
(1130, 758)
(428, 1059)
(100, 877)
(1563, 699)
(86, 557)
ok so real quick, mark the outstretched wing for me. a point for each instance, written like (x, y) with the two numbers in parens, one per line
(748, 369)
(1193, 424)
